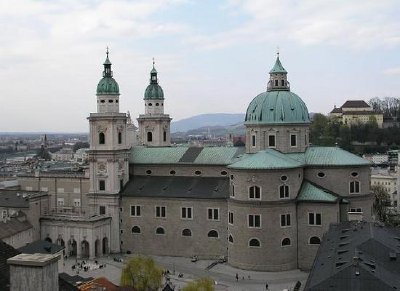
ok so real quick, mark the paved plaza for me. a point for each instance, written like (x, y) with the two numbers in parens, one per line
(223, 274)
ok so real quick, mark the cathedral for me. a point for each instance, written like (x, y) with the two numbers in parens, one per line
(265, 206)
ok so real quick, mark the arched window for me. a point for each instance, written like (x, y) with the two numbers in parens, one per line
(102, 138)
(282, 82)
(149, 136)
(354, 187)
(314, 240)
(230, 239)
(136, 229)
(160, 230)
(286, 242)
(119, 137)
(213, 233)
(276, 82)
(254, 192)
(284, 191)
(186, 232)
(254, 243)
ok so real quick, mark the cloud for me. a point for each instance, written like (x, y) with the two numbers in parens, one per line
(357, 24)
(392, 71)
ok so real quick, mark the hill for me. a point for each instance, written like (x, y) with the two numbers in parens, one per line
(207, 120)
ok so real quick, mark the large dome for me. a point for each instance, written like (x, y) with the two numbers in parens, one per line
(108, 86)
(277, 107)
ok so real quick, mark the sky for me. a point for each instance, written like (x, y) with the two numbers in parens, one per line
(211, 56)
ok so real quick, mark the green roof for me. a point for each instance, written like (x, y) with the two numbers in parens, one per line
(278, 68)
(154, 92)
(185, 155)
(332, 156)
(107, 61)
(277, 107)
(107, 86)
(265, 160)
(310, 192)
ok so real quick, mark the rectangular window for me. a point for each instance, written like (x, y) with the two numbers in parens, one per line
(60, 190)
(293, 140)
(213, 213)
(285, 220)
(102, 185)
(254, 192)
(314, 218)
(253, 140)
(233, 191)
(354, 187)
(4, 214)
(135, 210)
(77, 190)
(186, 212)
(60, 201)
(44, 189)
(28, 188)
(283, 191)
(77, 202)
(230, 217)
(254, 220)
(102, 210)
(355, 209)
(165, 136)
(271, 141)
(161, 212)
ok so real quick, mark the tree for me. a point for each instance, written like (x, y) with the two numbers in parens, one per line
(202, 284)
(382, 200)
(142, 274)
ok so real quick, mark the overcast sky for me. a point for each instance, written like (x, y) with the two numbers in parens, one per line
(212, 56)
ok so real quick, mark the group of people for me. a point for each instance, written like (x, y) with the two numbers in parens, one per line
(86, 266)
(237, 279)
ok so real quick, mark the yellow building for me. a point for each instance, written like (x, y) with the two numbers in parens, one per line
(355, 112)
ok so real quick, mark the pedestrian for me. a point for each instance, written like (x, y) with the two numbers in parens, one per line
(266, 286)
(237, 277)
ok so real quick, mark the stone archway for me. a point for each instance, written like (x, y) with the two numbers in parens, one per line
(85, 249)
(105, 246)
(72, 248)
(97, 248)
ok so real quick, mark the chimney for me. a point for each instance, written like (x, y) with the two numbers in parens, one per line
(34, 272)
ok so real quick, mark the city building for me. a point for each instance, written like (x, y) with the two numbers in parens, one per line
(357, 256)
(264, 206)
(387, 180)
(356, 112)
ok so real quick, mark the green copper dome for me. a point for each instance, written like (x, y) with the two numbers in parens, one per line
(277, 107)
(153, 91)
(107, 85)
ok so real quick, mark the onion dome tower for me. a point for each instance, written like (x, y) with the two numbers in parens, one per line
(277, 118)
(154, 125)
(108, 154)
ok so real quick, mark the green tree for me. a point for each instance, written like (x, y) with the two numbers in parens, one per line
(142, 274)
(202, 284)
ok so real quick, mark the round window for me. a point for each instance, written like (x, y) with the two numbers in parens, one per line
(224, 173)
(284, 178)
(321, 174)
(150, 104)
(172, 172)
(148, 172)
(354, 174)
(198, 173)
(157, 104)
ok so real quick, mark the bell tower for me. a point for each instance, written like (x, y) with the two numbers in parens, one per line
(154, 125)
(108, 154)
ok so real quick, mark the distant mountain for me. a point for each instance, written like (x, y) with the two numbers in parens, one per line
(207, 120)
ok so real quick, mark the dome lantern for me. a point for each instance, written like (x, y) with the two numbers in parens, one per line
(278, 77)
(153, 90)
(107, 85)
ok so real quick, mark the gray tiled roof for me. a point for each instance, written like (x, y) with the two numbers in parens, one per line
(41, 247)
(17, 198)
(356, 256)
(177, 187)
(13, 226)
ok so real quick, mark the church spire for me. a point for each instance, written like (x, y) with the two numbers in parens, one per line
(153, 75)
(278, 77)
